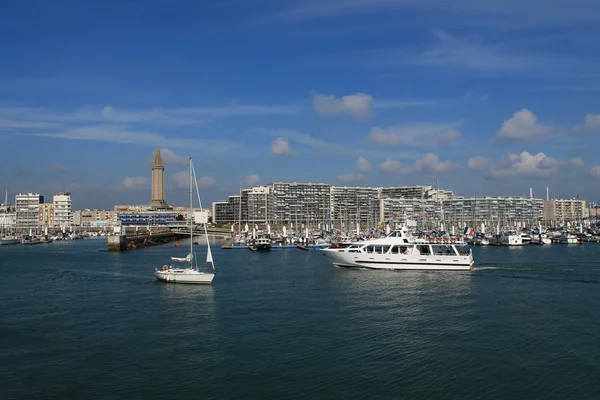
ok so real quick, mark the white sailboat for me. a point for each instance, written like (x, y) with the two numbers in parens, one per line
(190, 273)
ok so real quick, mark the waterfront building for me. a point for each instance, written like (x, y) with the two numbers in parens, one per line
(158, 183)
(63, 211)
(259, 209)
(404, 192)
(564, 210)
(147, 218)
(94, 217)
(300, 203)
(8, 221)
(354, 205)
(461, 212)
(343, 207)
(223, 212)
(46, 215)
(27, 207)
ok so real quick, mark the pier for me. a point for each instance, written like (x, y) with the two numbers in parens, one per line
(118, 243)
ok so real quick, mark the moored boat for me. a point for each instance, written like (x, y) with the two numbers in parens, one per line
(9, 240)
(260, 244)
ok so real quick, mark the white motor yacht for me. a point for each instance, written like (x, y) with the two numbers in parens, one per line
(401, 250)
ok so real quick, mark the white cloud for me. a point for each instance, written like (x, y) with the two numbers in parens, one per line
(466, 53)
(577, 162)
(430, 163)
(206, 182)
(358, 105)
(135, 182)
(591, 123)
(363, 165)
(47, 117)
(281, 147)
(523, 126)
(415, 134)
(524, 165)
(6, 124)
(252, 180)
(450, 136)
(595, 171)
(115, 134)
(511, 13)
(393, 166)
(351, 177)
(478, 163)
(182, 179)
(291, 135)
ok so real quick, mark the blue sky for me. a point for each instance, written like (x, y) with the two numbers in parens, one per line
(488, 97)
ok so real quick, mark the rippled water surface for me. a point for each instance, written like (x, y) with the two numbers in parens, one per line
(77, 322)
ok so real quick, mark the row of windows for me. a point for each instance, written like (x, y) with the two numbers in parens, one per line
(439, 250)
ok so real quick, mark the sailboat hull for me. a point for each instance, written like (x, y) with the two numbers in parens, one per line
(184, 275)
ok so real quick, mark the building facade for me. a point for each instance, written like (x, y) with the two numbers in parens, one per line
(46, 215)
(8, 221)
(147, 218)
(344, 207)
(405, 192)
(63, 210)
(354, 205)
(94, 217)
(27, 208)
(564, 210)
(461, 212)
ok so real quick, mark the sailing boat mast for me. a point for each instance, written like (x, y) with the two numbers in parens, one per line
(191, 217)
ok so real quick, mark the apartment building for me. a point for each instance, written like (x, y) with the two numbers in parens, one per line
(27, 207)
(300, 203)
(404, 192)
(564, 210)
(63, 210)
(8, 221)
(352, 205)
(94, 217)
(46, 215)
(342, 206)
(464, 211)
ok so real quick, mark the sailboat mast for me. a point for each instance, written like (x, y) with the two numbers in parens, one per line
(191, 215)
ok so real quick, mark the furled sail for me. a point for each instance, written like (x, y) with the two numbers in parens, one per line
(188, 258)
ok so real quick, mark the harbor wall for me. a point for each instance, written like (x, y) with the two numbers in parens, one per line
(132, 242)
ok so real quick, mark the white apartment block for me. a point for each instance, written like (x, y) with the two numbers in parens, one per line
(8, 221)
(63, 210)
(342, 206)
(27, 207)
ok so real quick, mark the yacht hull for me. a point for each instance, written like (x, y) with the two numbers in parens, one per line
(8, 242)
(187, 275)
(342, 258)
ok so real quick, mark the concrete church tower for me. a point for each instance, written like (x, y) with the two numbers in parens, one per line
(158, 182)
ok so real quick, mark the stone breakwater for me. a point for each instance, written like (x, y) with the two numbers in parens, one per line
(132, 242)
